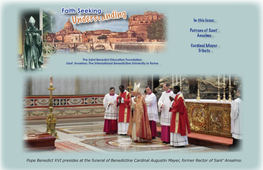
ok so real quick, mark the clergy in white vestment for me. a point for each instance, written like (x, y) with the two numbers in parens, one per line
(164, 105)
(235, 121)
(111, 112)
(151, 104)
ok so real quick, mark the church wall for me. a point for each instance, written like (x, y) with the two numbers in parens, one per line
(63, 85)
(73, 85)
(98, 85)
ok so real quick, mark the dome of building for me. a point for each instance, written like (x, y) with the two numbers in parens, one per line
(68, 26)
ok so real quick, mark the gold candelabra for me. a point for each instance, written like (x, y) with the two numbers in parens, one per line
(198, 93)
(218, 95)
(230, 97)
(51, 120)
(224, 94)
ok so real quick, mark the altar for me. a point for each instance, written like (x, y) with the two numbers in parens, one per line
(209, 117)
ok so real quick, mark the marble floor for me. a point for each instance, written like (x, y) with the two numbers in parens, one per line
(86, 135)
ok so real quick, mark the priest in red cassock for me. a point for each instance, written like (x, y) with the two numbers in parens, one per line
(139, 127)
(180, 126)
(123, 102)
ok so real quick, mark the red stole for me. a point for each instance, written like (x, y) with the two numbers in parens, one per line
(124, 108)
(179, 120)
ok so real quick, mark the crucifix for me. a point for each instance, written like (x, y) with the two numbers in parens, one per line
(130, 87)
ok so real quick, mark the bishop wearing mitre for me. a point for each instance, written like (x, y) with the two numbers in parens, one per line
(111, 112)
(139, 127)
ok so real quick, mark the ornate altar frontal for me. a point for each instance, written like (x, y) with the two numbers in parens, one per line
(209, 117)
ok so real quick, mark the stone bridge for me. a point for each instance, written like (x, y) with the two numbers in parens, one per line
(100, 45)
(52, 47)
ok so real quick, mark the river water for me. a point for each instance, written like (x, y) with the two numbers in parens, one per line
(85, 51)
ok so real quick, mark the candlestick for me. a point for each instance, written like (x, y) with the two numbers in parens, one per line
(230, 97)
(218, 95)
(198, 94)
(224, 94)
(218, 80)
(172, 79)
(51, 81)
(51, 120)
(180, 81)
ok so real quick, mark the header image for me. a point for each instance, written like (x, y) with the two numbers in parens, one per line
(110, 31)
(46, 32)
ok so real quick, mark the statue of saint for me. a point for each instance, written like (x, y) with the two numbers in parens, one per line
(33, 53)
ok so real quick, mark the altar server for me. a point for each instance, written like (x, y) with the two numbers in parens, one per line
(235, 120)
(151, 104)
(180, 126)
(123, 101)
(111, 112)
(164, 105)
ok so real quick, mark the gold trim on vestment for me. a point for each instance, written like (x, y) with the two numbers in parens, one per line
(119, 110)
(177, 115)
(126, 109)
(176, 122)
(181, 95)
(125, 115)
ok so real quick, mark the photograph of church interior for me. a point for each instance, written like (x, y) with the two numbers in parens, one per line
(142, 113)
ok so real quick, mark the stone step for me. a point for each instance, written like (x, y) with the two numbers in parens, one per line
(206, 140)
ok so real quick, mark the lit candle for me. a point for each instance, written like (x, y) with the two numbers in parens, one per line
(218, 79)
(51, 81)
(224, 79)
(229, 80)
(180, 80)
(172, 79)
(176, 79)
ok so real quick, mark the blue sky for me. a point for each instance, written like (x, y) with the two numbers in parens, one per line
(118, 25)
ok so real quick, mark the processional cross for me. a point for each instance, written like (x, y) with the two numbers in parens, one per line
(130, 87)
